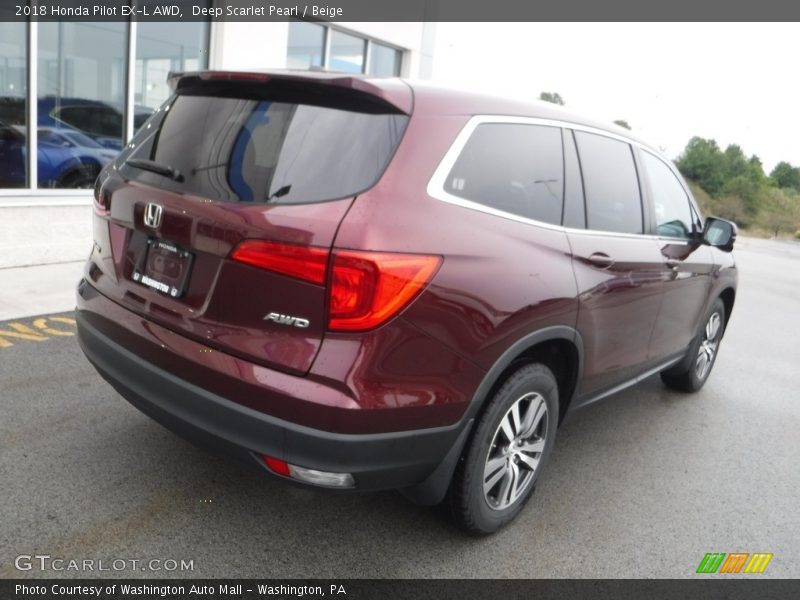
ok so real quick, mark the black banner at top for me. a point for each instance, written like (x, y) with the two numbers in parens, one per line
(398, 10)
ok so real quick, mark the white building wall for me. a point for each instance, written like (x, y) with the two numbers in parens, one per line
(243, 46)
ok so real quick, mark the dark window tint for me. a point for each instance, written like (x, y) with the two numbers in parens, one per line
(670, 201)
(94, 119)
(515, 168)
(613, 201)
(263, 151)
(76, 116)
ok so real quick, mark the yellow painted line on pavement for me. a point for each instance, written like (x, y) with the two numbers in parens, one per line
(42, 325)
(40, 329)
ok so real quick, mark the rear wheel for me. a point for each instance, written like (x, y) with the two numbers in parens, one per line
(694, 371)
(510, 447)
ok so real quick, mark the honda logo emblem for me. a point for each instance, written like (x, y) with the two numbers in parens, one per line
(152, 215)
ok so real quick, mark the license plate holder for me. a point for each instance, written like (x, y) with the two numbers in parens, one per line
(164, 267)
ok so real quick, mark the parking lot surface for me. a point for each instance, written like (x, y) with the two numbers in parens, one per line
(641, 484)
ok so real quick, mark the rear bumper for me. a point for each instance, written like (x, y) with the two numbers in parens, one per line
(389, 460)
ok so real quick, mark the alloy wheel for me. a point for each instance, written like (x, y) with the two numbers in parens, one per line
(708, 347)
(515, 451)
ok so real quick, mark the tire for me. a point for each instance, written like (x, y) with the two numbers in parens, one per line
(510, 447)
(691, 373)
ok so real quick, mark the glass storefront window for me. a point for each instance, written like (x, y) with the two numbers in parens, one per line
(347, 52)
(161, 48)
(384, 61)
(81, 79)
(82, 96)
(306, 45)
(13, 105)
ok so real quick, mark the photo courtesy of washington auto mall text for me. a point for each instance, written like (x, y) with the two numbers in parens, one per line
(149, 590)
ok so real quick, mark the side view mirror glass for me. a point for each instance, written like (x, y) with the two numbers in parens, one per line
(719, 233)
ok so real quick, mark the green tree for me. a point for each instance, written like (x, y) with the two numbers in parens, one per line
(755, 170)
(703, 162)
(553, 97)
(622, 123)
(786, 176)
(731, 185)
(734, 162)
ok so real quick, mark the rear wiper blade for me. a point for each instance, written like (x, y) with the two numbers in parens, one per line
(281, 192)
(155, 167)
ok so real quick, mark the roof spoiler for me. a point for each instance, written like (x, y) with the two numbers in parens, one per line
(313, 87)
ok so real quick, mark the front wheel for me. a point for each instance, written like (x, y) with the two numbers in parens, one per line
(510, 447)
(702, 354)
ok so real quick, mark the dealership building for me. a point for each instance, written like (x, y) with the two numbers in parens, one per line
(89, 85)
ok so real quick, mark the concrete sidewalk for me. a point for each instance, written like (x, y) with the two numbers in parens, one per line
(37, 290)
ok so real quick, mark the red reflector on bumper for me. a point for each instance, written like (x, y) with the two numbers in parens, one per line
(277, 466)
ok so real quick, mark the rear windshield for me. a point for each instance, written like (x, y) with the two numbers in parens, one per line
(240, 150)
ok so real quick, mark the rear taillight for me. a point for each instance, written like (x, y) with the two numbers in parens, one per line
(368, 288)
(302, 262)
(365, 289)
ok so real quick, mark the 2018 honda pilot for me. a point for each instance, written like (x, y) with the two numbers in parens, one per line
(371, 284)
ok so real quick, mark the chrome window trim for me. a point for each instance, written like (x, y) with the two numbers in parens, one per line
(436, 184)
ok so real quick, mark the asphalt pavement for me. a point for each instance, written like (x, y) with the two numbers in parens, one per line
(641, 484)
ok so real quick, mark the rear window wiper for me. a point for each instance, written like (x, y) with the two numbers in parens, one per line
(155, 167)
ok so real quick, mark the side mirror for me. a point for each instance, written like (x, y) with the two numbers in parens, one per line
(720, 233)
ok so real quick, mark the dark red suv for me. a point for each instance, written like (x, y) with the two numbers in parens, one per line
(370, 284)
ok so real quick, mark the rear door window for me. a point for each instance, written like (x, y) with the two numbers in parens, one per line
(611, 185)
(258, 151)
(514, 168)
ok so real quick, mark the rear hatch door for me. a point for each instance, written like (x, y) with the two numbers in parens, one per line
(216, 217)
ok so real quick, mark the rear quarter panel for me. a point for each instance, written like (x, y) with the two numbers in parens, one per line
(500, 279)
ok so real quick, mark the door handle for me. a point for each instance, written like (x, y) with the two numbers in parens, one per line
(601, 260)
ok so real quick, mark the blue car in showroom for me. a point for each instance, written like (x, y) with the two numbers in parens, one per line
(65, 158)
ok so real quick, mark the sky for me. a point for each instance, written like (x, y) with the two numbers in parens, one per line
(738, 83)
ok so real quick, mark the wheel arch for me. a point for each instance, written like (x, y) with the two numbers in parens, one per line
(560, 348)
(728, 297)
